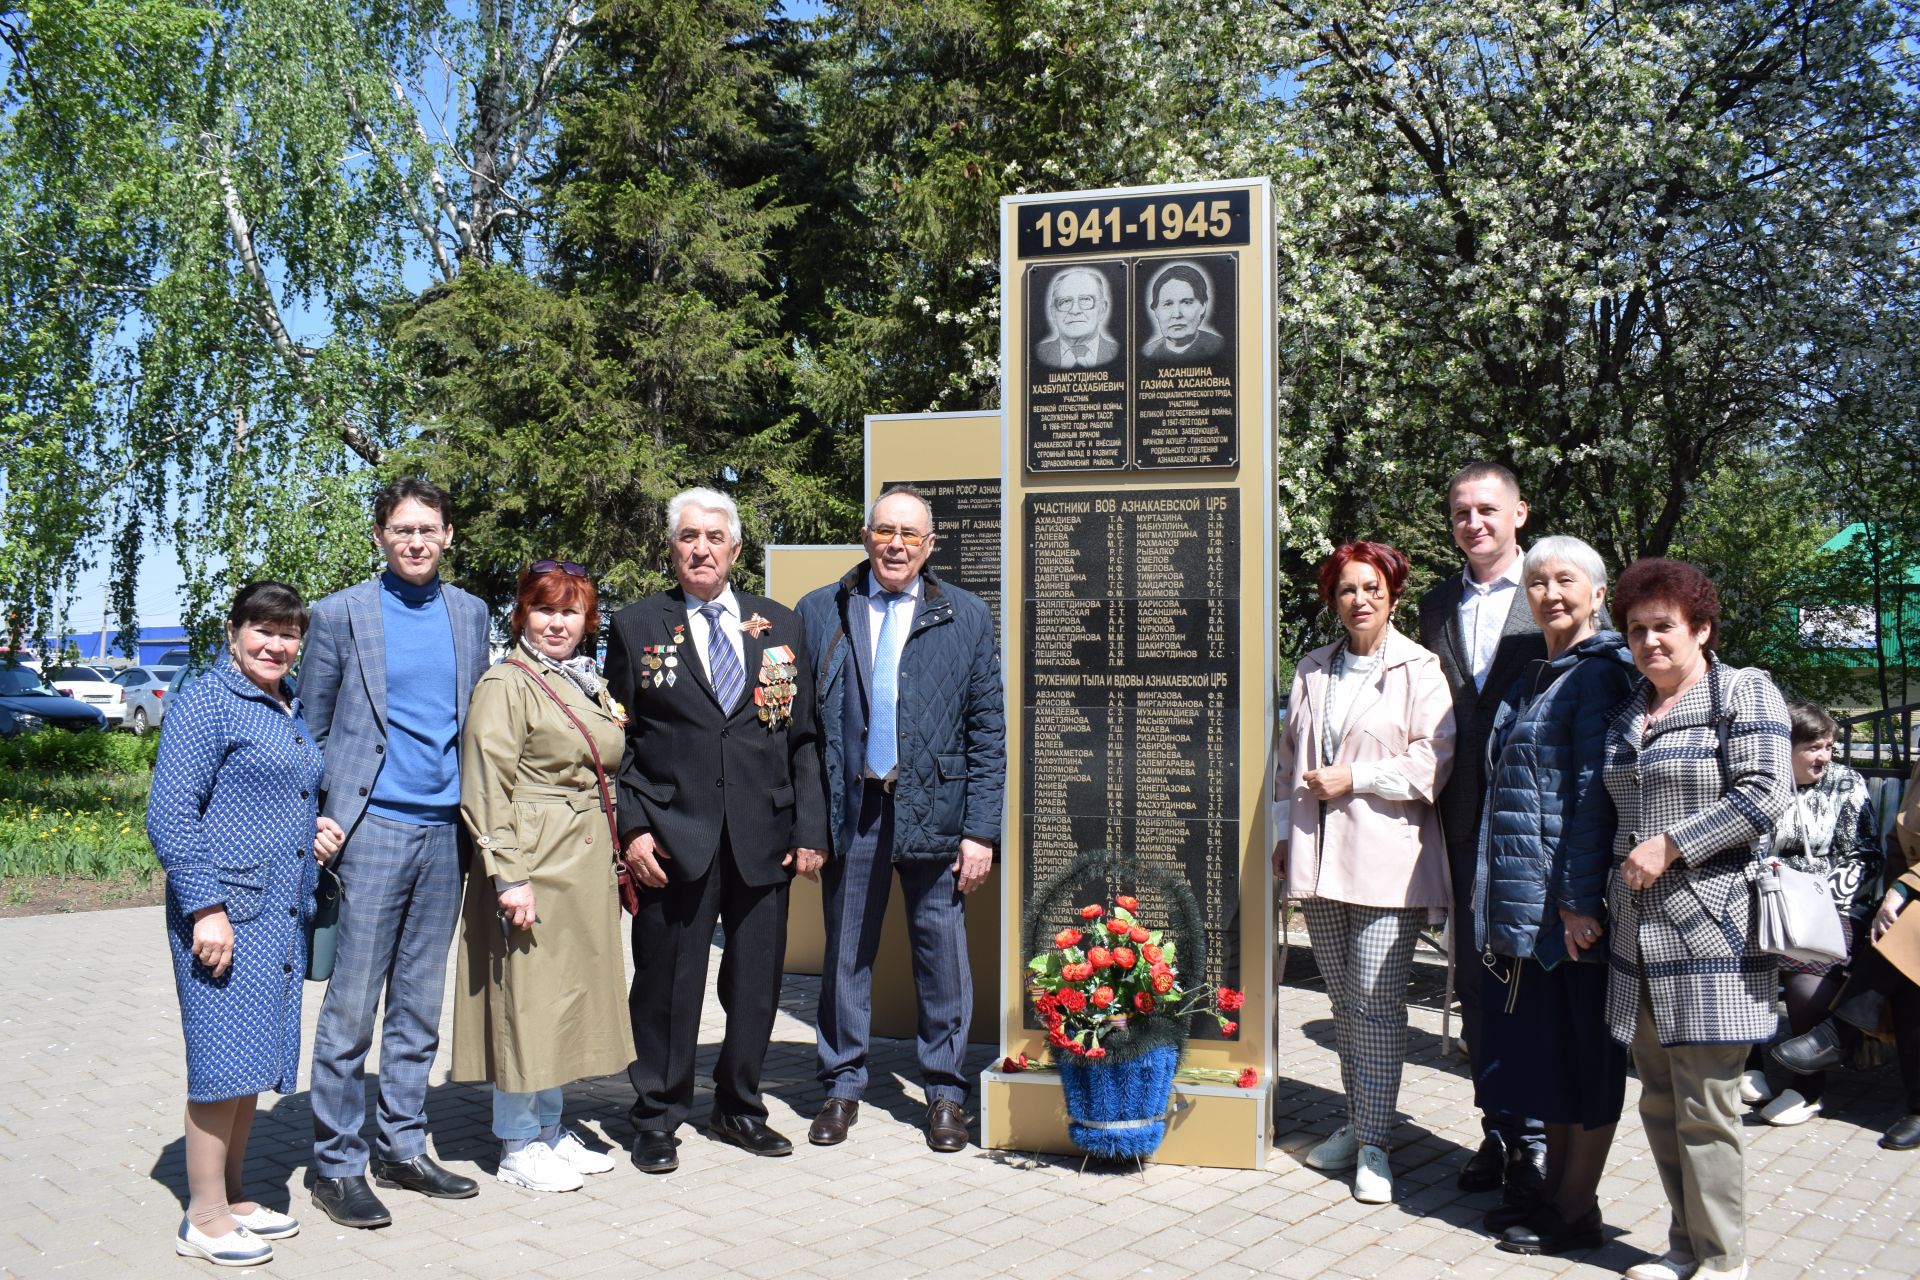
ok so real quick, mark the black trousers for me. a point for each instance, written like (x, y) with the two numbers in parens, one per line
(1871, 971)
(672, 940)
(1515, 1129)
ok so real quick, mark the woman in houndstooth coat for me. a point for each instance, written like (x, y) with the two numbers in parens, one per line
(1698, 765)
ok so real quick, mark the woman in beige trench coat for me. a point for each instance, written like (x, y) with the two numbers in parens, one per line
(540, 997)
(1367, 743)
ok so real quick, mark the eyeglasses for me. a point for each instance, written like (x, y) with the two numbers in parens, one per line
(407, 533)
(565, 566)
(887, 533)
(1076, 302)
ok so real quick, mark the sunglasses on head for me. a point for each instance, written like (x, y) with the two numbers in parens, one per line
(565, 566)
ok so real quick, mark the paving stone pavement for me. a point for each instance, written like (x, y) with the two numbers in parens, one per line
(92, 1181)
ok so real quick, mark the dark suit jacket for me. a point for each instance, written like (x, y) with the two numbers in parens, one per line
(1473, 709)
(691, 772)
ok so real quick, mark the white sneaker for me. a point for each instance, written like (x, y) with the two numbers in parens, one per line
(579, 1156)
(1372, 1183)
(267, 1224)
(1675, 1264)
(1789, 1108)
(537, 1167)
(1337, 1151)
(238, 1248)
(1754, 1088)
(1722, 1273)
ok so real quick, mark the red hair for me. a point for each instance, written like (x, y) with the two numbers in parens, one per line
(1675, 583)
(555, 589)
(1387, 562)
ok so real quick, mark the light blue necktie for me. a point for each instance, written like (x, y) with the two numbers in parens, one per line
(723, 664)
(883, 744)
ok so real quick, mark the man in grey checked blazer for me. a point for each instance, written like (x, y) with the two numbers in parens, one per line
(388, 668)
(1479, 623)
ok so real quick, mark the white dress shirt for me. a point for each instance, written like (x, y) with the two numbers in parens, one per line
(1484, 607)
(729, 626)
(877, 604)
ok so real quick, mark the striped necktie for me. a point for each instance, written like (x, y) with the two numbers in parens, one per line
(723, 664)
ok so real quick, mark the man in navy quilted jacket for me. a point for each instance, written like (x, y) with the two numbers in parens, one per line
(913, 734)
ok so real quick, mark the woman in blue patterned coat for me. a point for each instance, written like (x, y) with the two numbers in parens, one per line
(1698, 766)
(232, 819)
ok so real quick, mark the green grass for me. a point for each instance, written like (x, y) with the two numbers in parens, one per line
(75, 804)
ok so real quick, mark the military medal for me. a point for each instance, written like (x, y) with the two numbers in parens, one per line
(775, 692)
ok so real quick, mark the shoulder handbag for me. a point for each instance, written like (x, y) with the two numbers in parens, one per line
(1793, 912)
(629, 891)
(323, 926)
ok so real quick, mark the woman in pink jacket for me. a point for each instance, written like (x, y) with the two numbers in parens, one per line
(1367, 744)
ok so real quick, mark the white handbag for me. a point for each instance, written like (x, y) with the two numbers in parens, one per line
(1794, 915)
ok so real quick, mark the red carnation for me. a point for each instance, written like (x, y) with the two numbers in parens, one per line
(1066, 938)
(1228, 1028)
(1045, 1004)
(1102, 997)
(1131, 904)
(1119, 928)
(1143, 1002)
(1077, 972)
(1138, 934)
(1012, 1065)
(1058, 1038)
(1163, 981)
(1073, 1001)
(1079, 1050)
(1093, 911)
(1096, 1052)
(1151, 952)
(1124, 957)
(1229, 999)
(1099, 957)
(1248, 1078)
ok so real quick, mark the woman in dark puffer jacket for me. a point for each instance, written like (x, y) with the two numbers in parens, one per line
(1545, 849)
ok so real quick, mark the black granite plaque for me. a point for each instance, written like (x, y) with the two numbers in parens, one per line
(966, 516)
(1185, 402)
(1077, 335)
(1131, 632)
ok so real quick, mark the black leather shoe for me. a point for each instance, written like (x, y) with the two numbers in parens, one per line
(350, 1202)
(654, 1151)
(749, 1133)
(1501, 1216)
(423, 1175)
(1547, 1232)
(1488, 1166)
(946, 1126)
(1820, 1049)
(1904, 1136)
(1526, 1175)
(829, 1128)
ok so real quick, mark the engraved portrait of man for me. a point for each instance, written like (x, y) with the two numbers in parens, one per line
(1180, 304)
(1078, 306)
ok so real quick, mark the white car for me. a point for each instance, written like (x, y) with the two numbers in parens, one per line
(93, 687)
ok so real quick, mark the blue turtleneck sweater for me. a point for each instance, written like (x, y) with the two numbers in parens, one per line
(419, 782)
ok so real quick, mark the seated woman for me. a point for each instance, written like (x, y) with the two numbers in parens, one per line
(1827, 832)
(232, 815)
(541, 983)
(1367, 743)
(1546, 847)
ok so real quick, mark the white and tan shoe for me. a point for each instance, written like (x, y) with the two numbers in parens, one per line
(1672, 1265)
(1754, 1088)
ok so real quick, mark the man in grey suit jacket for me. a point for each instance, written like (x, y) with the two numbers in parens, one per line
(388, 669)
(1481, 626)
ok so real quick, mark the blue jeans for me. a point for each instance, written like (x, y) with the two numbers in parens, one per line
(524, 1115)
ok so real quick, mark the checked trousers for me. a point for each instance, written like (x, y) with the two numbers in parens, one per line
(1366, 956)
